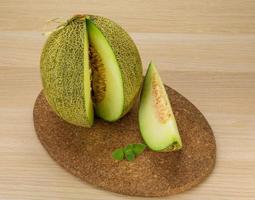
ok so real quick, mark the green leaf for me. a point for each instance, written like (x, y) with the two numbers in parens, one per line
(128, 147)
(138, 148)
(118, 154)
(130, 157)
(129, 154)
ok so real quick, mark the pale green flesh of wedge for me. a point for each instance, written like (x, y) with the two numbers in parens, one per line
(158, 135)
(111, 107)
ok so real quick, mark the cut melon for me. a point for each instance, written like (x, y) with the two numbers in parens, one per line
(90, 60)
(156, 119)
(107, 81)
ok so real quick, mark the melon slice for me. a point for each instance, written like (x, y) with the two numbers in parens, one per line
(122, 66)
(156, 119)
(107, 83)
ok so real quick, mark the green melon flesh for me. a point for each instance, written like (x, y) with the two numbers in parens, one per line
(156, 119)
(111, 106)
(127, 59)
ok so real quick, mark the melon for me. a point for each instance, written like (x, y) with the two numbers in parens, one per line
(156, 118)
(90, 63)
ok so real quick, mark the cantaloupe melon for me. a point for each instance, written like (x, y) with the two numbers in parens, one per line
(90, 61)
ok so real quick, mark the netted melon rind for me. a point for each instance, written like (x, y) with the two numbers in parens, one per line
(62, 72)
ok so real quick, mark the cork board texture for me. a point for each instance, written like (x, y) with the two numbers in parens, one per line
(86, 152)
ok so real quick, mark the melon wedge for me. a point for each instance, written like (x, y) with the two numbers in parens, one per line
(156, 119)
(108, 91)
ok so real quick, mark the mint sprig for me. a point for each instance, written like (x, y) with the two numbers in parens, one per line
(130, 152)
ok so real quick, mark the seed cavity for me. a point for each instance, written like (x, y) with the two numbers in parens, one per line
(160, 100)
(98, 75)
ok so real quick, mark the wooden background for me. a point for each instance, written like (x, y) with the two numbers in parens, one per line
(204, 49)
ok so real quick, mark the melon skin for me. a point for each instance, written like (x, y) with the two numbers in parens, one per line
(62, 68)
(62, 72)
(127, 56)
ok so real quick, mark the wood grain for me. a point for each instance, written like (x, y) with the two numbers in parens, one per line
(204, 49)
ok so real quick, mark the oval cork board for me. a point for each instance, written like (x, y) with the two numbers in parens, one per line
(86, 152)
